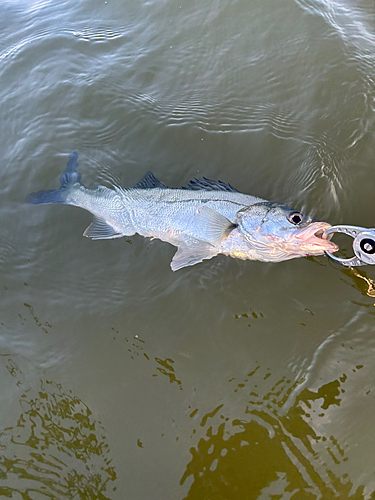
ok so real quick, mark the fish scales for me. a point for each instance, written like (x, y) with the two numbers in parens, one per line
(166, 210)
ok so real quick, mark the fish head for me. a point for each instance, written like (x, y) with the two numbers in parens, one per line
(274, 232)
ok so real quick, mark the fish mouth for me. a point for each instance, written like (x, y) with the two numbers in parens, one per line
(314, 239)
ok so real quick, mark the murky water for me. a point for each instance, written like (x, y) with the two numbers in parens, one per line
(228, 380)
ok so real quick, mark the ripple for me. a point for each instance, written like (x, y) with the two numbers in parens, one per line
(285, 453)
(354, 23)
(55, 446)
(234, 116)
(98, 34)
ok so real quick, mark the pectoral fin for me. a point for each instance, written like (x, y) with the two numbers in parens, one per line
(212, 225)
(188, 255)
(99, 229)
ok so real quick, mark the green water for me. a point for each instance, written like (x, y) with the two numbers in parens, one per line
(229, 380)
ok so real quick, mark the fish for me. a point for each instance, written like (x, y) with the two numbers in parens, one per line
(203, 219)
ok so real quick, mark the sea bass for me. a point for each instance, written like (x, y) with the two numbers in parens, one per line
(202, 220)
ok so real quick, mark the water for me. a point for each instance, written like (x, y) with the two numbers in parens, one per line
(228, 380)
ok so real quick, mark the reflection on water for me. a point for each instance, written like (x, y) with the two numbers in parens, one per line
(167, 369)
(360, 280)
(55, 449)
(266, 455)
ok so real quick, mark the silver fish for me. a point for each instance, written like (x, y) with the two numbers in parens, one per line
(202, 220)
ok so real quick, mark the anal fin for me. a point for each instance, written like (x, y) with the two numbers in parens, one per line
(195, 252)
(99, 229)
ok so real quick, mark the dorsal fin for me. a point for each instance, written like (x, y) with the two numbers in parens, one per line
(149, 181)
(209, 185)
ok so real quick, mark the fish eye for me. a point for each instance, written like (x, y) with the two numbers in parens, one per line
(295, 218)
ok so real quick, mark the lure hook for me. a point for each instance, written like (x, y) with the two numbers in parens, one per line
(363, 245)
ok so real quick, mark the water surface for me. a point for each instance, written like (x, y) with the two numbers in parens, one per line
(227, 380)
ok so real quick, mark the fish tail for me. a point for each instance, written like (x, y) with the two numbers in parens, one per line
(69, 177)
